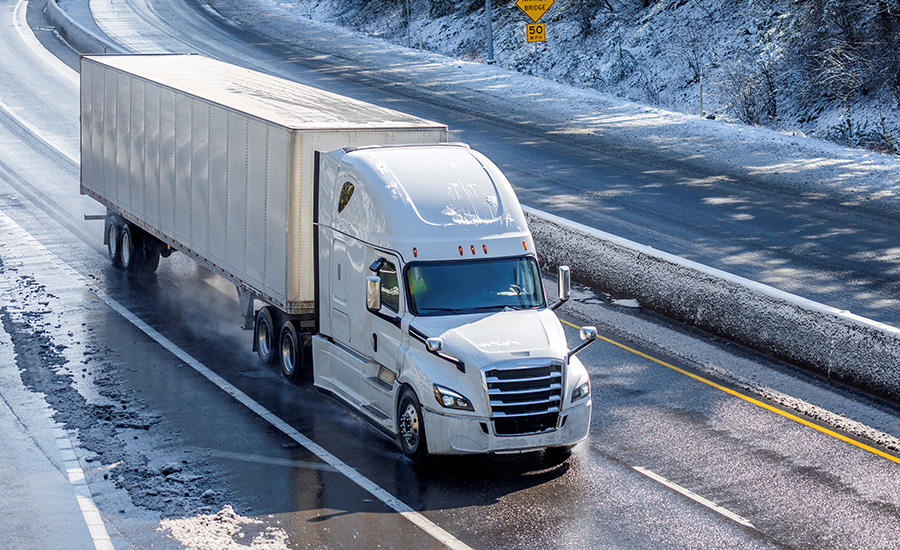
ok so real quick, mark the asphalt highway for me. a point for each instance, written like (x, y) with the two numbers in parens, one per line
(174, 418)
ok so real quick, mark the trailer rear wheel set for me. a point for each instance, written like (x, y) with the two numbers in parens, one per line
(275, 335)
(130, 248)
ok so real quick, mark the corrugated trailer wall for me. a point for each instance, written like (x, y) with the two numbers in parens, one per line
(213, 179)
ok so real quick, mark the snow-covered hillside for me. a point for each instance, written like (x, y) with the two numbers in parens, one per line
(793, 66)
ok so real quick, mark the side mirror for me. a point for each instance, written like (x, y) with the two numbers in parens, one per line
(434, 345)
(564, 286)
(588, 334)
(373, 293)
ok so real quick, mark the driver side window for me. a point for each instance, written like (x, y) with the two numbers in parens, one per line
(390, 287)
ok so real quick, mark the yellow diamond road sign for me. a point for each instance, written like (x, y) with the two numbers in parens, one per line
(534, 8)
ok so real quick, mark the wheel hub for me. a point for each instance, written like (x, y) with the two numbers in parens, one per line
(409, 426)
(287, 355)
(263, 339)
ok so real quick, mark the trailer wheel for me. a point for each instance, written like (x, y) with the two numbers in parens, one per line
(129, 248)
(411, 426)
(112, 244)
(150, 260)
(264, 335)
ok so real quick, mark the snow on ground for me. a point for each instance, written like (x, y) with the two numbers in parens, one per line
(225, 530)
(677, 54)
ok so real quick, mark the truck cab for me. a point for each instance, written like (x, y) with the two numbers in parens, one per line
(433, 321)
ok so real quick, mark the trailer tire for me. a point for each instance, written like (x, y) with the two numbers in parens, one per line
(150, 259)
(264, 335)
(130, 248)
(138, 251)
(411, 426)
(112, 243)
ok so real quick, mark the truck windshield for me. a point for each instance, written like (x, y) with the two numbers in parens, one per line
(447, 288)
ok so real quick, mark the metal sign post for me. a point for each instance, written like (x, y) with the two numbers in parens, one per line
(490, 31)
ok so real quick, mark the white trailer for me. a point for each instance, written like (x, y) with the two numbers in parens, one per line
(371, 246)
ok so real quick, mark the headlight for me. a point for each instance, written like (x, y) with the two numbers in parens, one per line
(581, 391)
(451, 400)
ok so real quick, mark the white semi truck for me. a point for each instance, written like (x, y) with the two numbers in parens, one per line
(393, 266)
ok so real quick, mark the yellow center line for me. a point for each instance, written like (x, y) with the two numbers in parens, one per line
(747, 398)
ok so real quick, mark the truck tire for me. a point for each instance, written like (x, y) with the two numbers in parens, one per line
(291, 351)
(130, 248)
(411, 426)
(265, 336)
(151, 255)
(138, 251)
(112, 243)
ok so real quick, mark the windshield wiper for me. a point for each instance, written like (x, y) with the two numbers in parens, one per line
(442, 310)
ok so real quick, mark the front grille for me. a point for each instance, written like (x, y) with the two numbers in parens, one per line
(525, 399)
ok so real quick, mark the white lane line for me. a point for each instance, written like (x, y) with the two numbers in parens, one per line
(83, 495)
(29, 39)
(449, 541)
(695, 497)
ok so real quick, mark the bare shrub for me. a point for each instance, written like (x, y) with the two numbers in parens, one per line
(849, 48)
(840, 72)
(651, 88)
(880, 138)
(584, 12)
(691, 50)
(623, 62)
(751, 95)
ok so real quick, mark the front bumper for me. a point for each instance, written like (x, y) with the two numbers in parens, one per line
(452, 434)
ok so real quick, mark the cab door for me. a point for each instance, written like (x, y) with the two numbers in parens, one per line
(384, 343)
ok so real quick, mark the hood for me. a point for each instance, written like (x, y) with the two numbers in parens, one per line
(489, 338)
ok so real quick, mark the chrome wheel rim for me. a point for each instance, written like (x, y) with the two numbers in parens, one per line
(126, 249)
(409, 426)
(112, 237)
(264, 337)
(287, 354)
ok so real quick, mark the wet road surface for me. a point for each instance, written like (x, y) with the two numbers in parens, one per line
(159, 440)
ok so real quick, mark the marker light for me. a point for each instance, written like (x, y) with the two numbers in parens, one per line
(415, 253)
(473, 249)
(525, 245)
(460, 251)
(484, 247)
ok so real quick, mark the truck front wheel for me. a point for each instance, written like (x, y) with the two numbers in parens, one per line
(411, 426)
